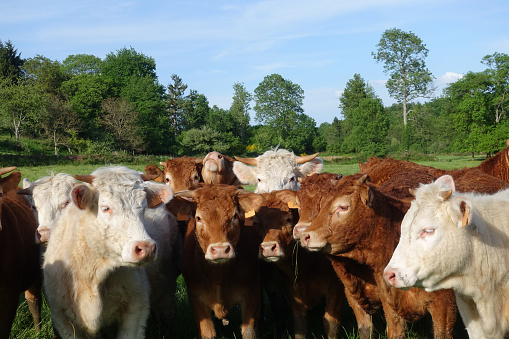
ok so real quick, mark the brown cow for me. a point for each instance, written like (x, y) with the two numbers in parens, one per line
(359, 285)
(219, 263)
(400, 175)
(360, 223)
(309, 276)
(218, 169)
(497, 165)
(19, 255)
(181, 174)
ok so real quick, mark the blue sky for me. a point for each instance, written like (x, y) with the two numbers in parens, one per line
(317, 44)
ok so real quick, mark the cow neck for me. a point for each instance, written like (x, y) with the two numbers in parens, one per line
(376, 247)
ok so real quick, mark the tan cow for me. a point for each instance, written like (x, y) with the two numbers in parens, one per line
(220, 264)
(183, 173)
(218, 169)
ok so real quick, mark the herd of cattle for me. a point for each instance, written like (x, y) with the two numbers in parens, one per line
(403, 238)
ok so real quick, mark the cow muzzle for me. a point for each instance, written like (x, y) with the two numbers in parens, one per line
(140, 252)
(42, 234)
(220, 252)
(271, 251)
(299, 229)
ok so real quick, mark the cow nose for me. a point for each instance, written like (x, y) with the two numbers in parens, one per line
(298, 229)
(390, 276)
(304, 239)
(270, 249)
(144, 251)
(219, 252)
(42, 234)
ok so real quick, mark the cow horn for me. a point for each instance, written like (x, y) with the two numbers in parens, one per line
(248, 161)
(7, 170)
(303, 159)
(85, 178)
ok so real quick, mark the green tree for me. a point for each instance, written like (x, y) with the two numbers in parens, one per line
(240, 108)
(203, 140)
(175, 103)
(20, 104)
(121, 118)
(117, 69)
(278, 104)
(59, 122)
(403, 55)
(195, 110)
(498, 70)
(301, 137)
(10, 62)
(77, 64)
(45, 74)
(365, 121)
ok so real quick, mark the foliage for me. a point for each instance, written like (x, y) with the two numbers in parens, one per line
(240, 109)
(175, 103)
(403, 55)
(278, 104)
(77, 64)
(203, 140)
(10, 62)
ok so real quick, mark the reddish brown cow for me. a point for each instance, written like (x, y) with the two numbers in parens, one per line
(359, 284)
(399, 175)
(309, 276)
(360, 223)
(218, 169)
(19, 255)
(220, 264)
(497, 165)
(180, 174)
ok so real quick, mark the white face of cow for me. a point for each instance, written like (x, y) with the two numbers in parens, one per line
(276, 170)
(51, 198)
(434, 243)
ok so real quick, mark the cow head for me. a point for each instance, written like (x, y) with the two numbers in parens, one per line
(182, 173)
(310, 197)
(276, 170)
(274, 223)
(217, 214)
(218, 169)
(115, 198)
(434, 240)
(335, 230)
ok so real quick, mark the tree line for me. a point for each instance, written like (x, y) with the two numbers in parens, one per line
(88, 105)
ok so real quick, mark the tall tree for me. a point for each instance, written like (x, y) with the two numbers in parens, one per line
(403, 55)
(240, 108)
(195, 110)
(176, 102)
(498, 70)
(10, 62)
(278, 104)
(365, 121)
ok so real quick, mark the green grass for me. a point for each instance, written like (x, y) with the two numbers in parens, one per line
(184, 326)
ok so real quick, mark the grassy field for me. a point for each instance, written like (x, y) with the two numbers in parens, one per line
(183, 323)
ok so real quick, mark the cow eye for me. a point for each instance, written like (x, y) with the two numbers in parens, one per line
(65, 204)
(106, 209)
(292, 179)
(168, 180)
(427, 232)
(198, 219)
(220, 157)
(342, 208)
(259, 180)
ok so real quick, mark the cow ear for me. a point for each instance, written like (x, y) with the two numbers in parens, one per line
(245, 173)
(181, 208)
(367, 195)
(250, 202)
(81, 196)
(11, 182)
(446, 186)
(154, 172)
(288, 197)
(158, 194)
(27, 188)
(312, 166)
(461, 211)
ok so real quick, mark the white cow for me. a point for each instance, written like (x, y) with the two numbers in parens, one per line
(459, 241)
(276, 170)
(51, 197)
(93, 274)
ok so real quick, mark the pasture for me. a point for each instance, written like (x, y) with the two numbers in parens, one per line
(184, 326)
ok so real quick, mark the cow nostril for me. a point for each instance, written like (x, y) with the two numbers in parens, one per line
(227, 250)
(274, 247)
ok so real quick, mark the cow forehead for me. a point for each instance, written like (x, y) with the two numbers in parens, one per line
(52, 189)
(123, 195)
